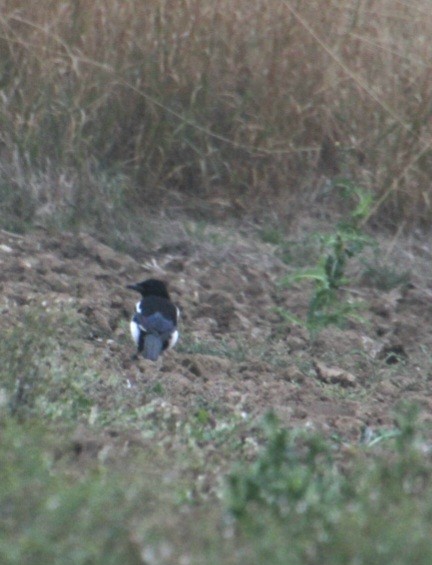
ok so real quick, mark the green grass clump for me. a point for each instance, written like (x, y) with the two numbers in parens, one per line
(296, 504)
(49, 517)
(57, 510)
(37, 373)
(139, 482)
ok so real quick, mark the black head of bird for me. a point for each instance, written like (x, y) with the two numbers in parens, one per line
(151, 287)
(154, 323)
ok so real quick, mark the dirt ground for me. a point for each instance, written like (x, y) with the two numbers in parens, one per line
(235, 350)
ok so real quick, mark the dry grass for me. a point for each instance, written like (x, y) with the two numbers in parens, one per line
(254, 101)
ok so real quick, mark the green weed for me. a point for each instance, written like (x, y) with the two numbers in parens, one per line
(279, 478)
(329, 275)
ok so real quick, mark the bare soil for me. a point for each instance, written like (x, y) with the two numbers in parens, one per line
(235, 351)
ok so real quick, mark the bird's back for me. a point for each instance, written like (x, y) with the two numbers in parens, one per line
(157, 308)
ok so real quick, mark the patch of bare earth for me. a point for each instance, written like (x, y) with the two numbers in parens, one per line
(236, 352)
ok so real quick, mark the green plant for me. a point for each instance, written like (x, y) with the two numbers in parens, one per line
(295, 503)
(50, 515)
(281, 476)
(329, 275)
(35, 376)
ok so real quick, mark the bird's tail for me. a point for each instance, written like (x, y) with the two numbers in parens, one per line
(152, 346)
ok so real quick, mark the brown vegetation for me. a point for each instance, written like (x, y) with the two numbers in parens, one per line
(109, 103)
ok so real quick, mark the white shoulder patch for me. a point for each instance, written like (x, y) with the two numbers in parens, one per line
(135, 331)
(173, 339)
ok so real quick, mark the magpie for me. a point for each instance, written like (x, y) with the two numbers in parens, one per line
(154, 324)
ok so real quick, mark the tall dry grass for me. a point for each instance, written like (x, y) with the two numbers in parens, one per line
(110, 104)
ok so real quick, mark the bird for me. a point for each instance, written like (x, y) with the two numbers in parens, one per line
(154, 323)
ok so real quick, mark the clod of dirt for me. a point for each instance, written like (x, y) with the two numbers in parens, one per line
(386, 303)
(292, 374)
(334, 375)
(221, 307)
(393, 354)
(205, 366)
(97, 319)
